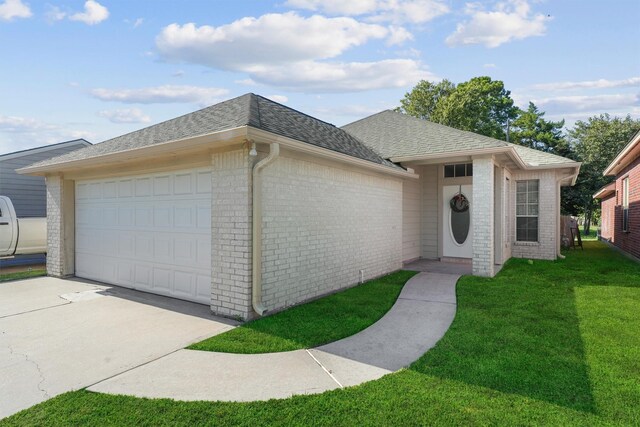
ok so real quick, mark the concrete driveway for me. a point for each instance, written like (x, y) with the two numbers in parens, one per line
(60, 335)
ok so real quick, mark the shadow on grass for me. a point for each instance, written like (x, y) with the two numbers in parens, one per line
(520, 332)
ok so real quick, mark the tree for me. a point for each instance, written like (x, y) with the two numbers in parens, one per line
(532, 130)
(480, 105)
(424, 97)
(595, 143)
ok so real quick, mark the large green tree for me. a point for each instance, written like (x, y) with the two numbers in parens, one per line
(532, 130)
(595, 143)
(479, 105)
(424, 98)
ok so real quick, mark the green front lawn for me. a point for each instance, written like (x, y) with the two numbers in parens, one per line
(548, 343)
(4, 277)
(318, 322)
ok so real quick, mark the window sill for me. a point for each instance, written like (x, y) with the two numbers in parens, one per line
(516, 243)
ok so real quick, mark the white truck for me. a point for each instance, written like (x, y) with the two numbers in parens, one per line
(20, 236)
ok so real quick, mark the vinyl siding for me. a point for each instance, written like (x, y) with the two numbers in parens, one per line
(28, 193)
(410, 219)
(429, 181)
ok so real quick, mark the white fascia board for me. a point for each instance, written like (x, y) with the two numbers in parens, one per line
(260, 135)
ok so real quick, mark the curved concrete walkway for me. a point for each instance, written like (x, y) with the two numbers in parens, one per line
(419, 318)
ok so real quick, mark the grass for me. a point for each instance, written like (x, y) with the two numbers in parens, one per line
(318, 322)
(5, 277)
(548, 343)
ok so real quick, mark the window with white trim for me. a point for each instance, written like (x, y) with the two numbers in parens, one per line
(625, 204)
(527, 210)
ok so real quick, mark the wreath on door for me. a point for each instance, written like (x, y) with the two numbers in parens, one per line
(459, 203)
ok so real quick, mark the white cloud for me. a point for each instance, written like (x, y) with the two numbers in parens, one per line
(396, 11)
(246, 82)
(490, 65)
(313, 76)
(576, 103)
(138, 22)
(127, 115)
(20, 133)
(272, 38)
(11, 9)
(271, 50)
(54, 14)
(278, 98)
(398, 35)
(94, 13)
(510, 20)
(161, 94)
(414, 12)
(179, 73)
(590, 84)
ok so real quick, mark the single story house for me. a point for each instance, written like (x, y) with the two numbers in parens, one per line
(620, 200)
(28, 193)
(250, 206)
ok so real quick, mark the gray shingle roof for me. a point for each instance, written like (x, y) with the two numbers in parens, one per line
(394, 134)
(249, 109)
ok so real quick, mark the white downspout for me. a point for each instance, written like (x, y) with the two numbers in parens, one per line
(256, 245)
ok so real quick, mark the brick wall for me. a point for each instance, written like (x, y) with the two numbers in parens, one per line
(322, 224)
(55, 229)
(231, 234)
(628, 241)
(608, 217)
(548, 216)
(482, 217)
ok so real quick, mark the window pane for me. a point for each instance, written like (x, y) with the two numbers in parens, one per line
(521, 198)
(533, 185)
(521, 187)
(533, 210)
(532, 197)
(469, 169)
(460, 169)
(521, 209)
(448, 171)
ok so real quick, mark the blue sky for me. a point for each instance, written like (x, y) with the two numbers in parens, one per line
(99, 69)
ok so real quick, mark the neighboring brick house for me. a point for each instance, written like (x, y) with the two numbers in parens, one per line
(620, 200)
(250, 206)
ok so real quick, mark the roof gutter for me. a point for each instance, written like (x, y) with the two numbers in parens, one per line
(271, 138)
(256, 229)
(618, 163)
(192, 142)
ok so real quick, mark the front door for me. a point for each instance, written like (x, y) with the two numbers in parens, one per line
(457, 233)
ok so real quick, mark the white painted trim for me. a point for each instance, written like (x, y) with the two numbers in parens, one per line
(268, 137)
(619, 162)
(168, 147)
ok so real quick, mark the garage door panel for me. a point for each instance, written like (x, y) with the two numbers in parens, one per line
(150, 232)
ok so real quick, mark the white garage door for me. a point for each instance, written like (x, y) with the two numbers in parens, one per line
(147, 232)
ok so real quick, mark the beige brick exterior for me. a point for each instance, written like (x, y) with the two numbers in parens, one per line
(483, 217)
(55, 249)
(231, 234)
(60, 226)
(322, 224)
(547, 245)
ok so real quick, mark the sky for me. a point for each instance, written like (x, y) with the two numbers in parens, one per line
(97, 69)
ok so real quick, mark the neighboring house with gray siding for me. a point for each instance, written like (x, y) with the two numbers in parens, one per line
(249, 206)
(28, 193)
